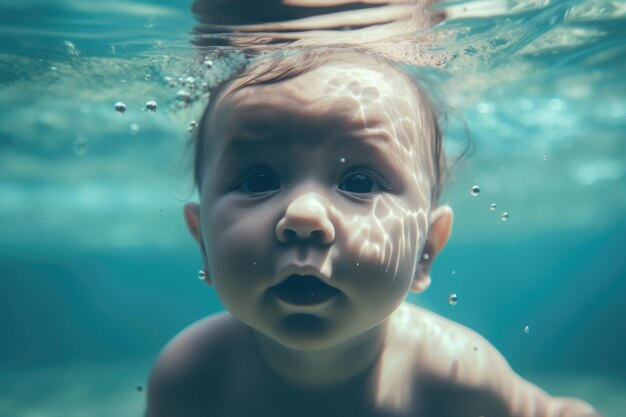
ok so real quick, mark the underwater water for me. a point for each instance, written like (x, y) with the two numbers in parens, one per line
(98, 271)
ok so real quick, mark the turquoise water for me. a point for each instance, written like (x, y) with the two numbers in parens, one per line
(98, 272)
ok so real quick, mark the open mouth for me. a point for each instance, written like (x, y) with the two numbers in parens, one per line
(304, 290)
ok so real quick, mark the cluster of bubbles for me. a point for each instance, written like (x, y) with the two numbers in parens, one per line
(475, 191)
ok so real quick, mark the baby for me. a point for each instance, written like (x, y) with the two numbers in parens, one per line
(318, 174)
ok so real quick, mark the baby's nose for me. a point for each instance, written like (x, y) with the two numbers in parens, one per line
(306, 218)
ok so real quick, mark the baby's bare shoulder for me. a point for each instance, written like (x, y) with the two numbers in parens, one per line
(190, 370)
(446, 349)
(454, 358)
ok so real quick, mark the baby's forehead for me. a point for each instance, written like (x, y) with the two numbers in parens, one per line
(344, 78)
(375, 90)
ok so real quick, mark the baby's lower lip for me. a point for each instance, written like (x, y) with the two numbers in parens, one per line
(304, 290)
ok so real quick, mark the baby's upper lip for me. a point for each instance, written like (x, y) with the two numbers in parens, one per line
(302, 270)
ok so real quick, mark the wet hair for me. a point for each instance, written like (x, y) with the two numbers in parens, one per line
(288, 64)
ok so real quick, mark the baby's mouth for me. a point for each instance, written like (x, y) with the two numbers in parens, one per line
(304, 290)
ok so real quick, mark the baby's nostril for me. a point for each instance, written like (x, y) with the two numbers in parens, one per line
(317, 235)
(290, 234)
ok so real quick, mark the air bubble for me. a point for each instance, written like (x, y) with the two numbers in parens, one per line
(201, 275)
(546, 157)
(151, 105)
(120, 107)
(191, 83)
(192, 126)
(492, 206)
(453, 299)
(208, 63)
(342, 160)
(170, 81)
(505, 216)
(183, 95)
(527, 329)
(148, 77)
(139, 388)
(426, 256)
(71, 48)
(475, 190)
(134, 127)
(482, 108)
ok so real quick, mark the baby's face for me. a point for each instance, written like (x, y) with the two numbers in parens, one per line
(314, 203)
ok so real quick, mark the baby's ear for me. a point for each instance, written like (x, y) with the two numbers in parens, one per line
(438, 234)
(192, 217)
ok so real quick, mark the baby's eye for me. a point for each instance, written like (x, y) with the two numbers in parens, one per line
(357, 183)
(260, 182)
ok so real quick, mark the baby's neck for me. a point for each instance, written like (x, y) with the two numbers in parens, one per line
(323, 368)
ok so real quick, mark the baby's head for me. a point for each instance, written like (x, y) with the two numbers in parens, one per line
(318, 174)
(387, 82)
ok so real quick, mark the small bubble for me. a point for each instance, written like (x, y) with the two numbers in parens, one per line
(453, 272)
(453, 299)
(546, 157)
(482, 108)
(151, 105)
(475, 348)
(160, 211)
(425, 256)
(183, 95)
(492, 206)
(192, 126)
(475, 190)
(254, 263)
(71, 48)
(139, 388)
(208, 63)
(191, 83)
(505, 216)
(134, 127)
(357, 264)
(53, 68)
(169, 81)
(527, 329)
(123, 81)
(201, 275)
(120, 107)
(342, 160)
(148, 77)
(80, 145)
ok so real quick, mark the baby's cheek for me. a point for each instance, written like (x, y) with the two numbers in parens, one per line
(237, 252)
(388, 237)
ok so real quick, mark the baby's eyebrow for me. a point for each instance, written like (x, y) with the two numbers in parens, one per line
(243, 142)
(375, 141)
